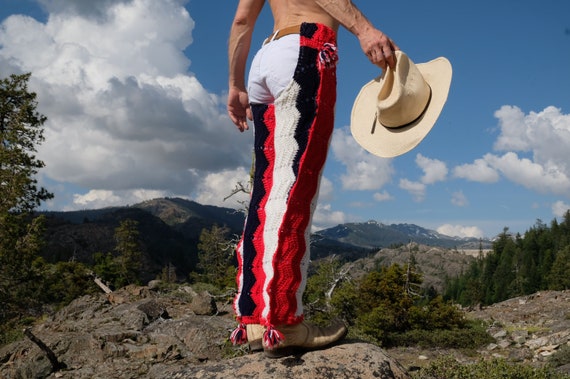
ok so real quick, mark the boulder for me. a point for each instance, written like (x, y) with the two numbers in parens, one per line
(203, 304)
(350, 360)
(136, 334)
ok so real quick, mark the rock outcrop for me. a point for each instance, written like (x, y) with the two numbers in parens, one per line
(350, 360)
(135, 333)
(528, 328)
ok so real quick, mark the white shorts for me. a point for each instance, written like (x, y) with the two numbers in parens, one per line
(272, 69)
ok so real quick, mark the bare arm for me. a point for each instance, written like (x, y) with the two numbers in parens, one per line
(238, 50)
(375, 44)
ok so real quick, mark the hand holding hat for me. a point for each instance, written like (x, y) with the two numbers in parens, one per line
(393, 113)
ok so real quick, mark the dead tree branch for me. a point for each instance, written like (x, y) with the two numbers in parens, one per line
(55, 363)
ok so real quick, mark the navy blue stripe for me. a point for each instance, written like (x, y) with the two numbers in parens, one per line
(308, 77)
(245, 303)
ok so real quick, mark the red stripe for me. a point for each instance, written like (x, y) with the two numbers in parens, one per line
(259, 273)
(294, 247)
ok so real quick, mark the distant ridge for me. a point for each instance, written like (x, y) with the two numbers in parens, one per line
(170, 229)
(374, 235)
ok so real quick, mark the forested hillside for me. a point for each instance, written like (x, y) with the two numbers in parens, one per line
(518, 265)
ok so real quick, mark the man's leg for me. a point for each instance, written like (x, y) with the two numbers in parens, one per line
(291, 142)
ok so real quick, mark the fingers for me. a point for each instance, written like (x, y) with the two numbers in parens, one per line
(240, 123)
(239, 120)
(239, 109)
(389, 55)
(382, 53)
(390, 59)
(381, 59)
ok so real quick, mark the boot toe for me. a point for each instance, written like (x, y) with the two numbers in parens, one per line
(306, 337)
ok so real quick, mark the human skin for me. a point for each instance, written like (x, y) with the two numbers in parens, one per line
(377, 46)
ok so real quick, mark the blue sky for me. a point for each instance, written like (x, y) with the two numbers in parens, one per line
(134, 92)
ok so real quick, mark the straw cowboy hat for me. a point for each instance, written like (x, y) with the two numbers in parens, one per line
(394, 112)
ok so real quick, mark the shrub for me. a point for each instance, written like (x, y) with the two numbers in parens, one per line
(561, 357)
(448, 368)
(470, 337)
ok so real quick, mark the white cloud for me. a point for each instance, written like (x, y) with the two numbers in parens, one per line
(546, 134)
(95, 199)
(326, 189)
(513, 130)
(216, 187)
(560, 208)
(87, 8)
(434, 170)
(479, 171)
(383, 196)
(325, 217)
(547, 178)
(124, 113)
(460, 231)
(535, 147)
(459, 199)
(364, 171)
(416, 189)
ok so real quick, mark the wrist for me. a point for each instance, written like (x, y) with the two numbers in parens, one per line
(361, 28)
(236, 87)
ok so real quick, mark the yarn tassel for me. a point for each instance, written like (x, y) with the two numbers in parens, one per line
(239, 335)
(328, 56)
(272, 338)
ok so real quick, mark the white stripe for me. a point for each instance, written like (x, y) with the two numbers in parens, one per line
(239, 251)
(286, 120)
(306, 260)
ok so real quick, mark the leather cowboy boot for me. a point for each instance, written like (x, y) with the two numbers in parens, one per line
(302, 337)
(255, 336)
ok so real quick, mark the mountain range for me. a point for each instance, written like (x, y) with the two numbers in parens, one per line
(373, 234)
(170, 229)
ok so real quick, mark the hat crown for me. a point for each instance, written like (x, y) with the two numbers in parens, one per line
(404, 94)
(393, 113)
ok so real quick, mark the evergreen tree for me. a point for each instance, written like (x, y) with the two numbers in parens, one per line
(124, 266)
(129, 253)
(215, 253)
(21, 131)
(564, 231)
(383, 307)
(559, 276)
(384, 301)
(520, 266)
(504, 275)
(20, 243)
(322, 286)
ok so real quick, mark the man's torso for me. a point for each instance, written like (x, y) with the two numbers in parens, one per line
(293, 12)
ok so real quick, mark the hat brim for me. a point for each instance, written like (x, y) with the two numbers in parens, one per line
(389, 142)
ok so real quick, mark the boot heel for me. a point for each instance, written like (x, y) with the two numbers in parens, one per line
(255, 345)
(279, 352)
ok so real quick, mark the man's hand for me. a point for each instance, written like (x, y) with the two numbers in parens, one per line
(238, 108)
(379, 48)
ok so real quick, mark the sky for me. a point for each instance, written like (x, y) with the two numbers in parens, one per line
(135, 95)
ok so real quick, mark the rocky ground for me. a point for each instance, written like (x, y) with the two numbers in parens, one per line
(137, 333)
(526, 329)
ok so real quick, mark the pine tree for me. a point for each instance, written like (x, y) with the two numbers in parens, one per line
(122, 267)
(215, 252)
(559, 277)
(21, 130)
(129, 253)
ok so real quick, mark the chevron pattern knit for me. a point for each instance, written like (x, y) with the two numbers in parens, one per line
(292, 136)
